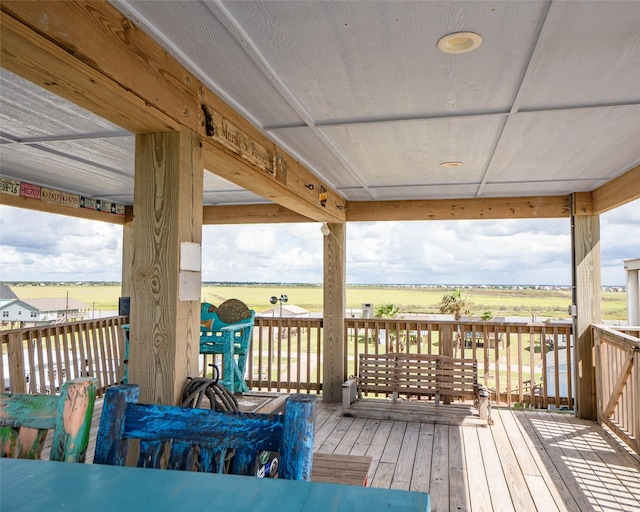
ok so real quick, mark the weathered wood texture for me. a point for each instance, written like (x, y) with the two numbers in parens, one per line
(588, 301)
(165, 326)
(334, 295)
(415, 376)
(25, 421)
(199, 439)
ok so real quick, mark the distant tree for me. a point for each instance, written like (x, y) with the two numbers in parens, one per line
(386, 311)
(389, 311)
(455, 304)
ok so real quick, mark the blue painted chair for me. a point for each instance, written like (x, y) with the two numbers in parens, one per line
(199, 439)
(25, 421)
(232, 340)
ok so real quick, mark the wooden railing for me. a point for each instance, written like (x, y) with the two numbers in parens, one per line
(519, 362)
(618, 381)
(40, 359)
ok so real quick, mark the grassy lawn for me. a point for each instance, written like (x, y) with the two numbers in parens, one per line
(548, 303)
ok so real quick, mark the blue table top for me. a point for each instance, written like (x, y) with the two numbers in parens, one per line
(28, 485)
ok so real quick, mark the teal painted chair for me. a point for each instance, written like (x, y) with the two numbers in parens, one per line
(182, 438)
(231, 340)
(25, 421)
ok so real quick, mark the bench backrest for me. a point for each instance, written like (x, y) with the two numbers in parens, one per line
(201, 440)
(215, 334)
(418, 375)
(25, 421)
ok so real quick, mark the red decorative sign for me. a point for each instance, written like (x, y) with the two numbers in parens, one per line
(28, 190)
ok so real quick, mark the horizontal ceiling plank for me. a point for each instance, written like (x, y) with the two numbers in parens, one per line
(250, 214)
(42, 206)
(35, 58)
(619, 191)
(80, 44)
(460, 209)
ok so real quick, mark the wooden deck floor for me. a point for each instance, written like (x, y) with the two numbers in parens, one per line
(525, 461)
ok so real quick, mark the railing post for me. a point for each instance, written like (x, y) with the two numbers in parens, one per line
(445, 343)
(15, 356)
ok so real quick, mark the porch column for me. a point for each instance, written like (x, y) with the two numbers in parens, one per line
(165, 271)
(334, 302)
(587, 298)
(127, 250)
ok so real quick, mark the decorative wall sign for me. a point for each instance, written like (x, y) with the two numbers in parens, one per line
(49, 195)
(229, 135)
(88, 202)
(58, 197)
(29, 190)
(11, 187)
(70, 200)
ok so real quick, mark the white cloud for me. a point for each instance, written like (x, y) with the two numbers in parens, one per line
(36, 246)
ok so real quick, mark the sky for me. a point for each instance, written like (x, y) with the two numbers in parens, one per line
(36, 246)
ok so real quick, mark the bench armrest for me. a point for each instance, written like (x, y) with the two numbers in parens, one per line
(349, 388)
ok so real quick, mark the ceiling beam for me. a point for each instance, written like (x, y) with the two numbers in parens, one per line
(92, 55)
(29, 203)
(250, 214)
(460, 209)
(618, 191)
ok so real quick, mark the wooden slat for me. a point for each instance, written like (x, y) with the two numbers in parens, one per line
(340, 468)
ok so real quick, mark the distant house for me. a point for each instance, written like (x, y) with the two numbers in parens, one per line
(288, 311)
(34, 312)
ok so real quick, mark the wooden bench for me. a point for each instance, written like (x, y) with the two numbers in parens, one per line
(415, 376)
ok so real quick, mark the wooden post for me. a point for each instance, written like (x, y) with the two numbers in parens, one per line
(587, 296)
(297, 437)
(127, 253)
(165, 274)
(334, 306)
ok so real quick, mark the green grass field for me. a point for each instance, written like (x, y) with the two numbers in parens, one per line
(509, 302)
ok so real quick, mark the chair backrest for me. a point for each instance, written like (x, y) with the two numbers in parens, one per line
(202, 440)
(26, 419)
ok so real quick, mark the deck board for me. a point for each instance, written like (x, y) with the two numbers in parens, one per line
(527, 460)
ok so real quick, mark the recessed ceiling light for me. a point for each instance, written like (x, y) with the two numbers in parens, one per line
(459, 42)
(451, 165)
